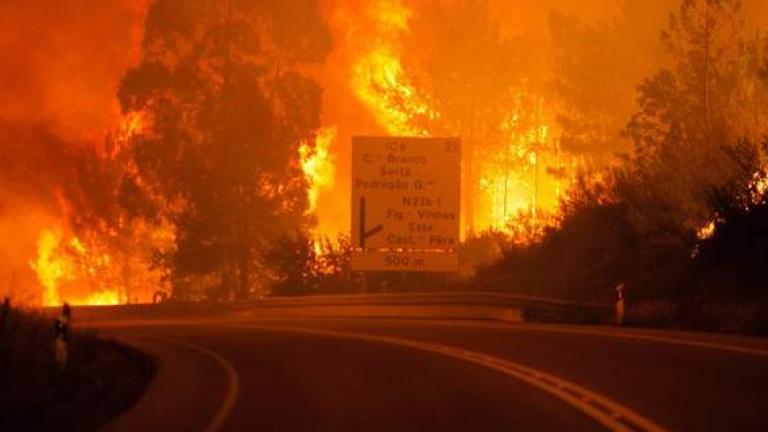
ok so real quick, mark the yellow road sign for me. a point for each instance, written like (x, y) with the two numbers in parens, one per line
(406, 194)
(414, 261)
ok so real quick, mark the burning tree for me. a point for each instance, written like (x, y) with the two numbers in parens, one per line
(699, 154)
(594, 82)
(444, 68)
(228, 106)
(496, 102)
(701, 122)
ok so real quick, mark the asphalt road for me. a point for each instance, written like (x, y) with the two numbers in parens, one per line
(290, 372)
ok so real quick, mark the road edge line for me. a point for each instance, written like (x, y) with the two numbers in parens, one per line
(680, 341)
(622, 333)
(233, 384)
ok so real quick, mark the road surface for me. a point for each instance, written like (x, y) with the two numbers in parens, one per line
(250, 370)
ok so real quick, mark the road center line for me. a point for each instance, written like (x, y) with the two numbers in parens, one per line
(602, 409)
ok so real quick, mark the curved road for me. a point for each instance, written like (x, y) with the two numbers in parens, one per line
(239, 371)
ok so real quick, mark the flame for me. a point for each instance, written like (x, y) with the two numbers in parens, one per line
(59, 262)
(707, 231)
(379, 83)
(317, 164)
(514, 170)
(527, 175)
(507, 195)
(377, 76)
(509, 178)
(101, 298)
(132, 124)
(759, 182)
(50, 267)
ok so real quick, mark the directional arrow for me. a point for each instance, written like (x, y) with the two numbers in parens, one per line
(363, 233)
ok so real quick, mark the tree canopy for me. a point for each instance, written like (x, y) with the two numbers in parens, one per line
(226, 106)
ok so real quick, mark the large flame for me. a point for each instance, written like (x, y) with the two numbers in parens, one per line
(59, 262)
(377, 76)
(102, 265)
(526, 176)
(317, 164)
(49, 267)
(525, 173)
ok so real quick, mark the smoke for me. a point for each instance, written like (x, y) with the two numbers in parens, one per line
(62, 62)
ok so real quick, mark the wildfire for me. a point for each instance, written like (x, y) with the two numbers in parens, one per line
(318, 165)
(50, 268)
(512, 178)
(378, 79)
(707, 231)
(59, 262)
(101, 298)
(512, 161)
(527, 175)
(131, 125)
(519, 168)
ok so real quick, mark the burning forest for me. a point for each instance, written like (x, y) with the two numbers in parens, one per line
(201, 149)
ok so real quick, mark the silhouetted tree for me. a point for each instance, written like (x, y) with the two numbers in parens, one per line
(694, 116)
(292, 261)
(227, 106)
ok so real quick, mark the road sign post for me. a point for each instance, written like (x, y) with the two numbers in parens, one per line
(405, 203)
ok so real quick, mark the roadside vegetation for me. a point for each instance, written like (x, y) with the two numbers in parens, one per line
(682, 219)
(102, 379)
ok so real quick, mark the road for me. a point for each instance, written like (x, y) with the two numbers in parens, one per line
(289, 370)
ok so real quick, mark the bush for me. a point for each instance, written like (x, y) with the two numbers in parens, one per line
(593, 250)
(29, 376)
(652, 313)
(102, 378)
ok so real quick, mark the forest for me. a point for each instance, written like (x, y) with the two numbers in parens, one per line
(604, 143)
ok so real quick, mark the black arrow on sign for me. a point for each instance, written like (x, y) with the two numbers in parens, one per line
(363, 233)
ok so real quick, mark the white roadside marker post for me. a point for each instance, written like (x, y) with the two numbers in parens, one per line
(61, 336)
(621, 306)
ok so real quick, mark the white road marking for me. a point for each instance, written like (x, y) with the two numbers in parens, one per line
(560, 328)
(233, 385)
(664, 339)
(602, 409)
(625, 334)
